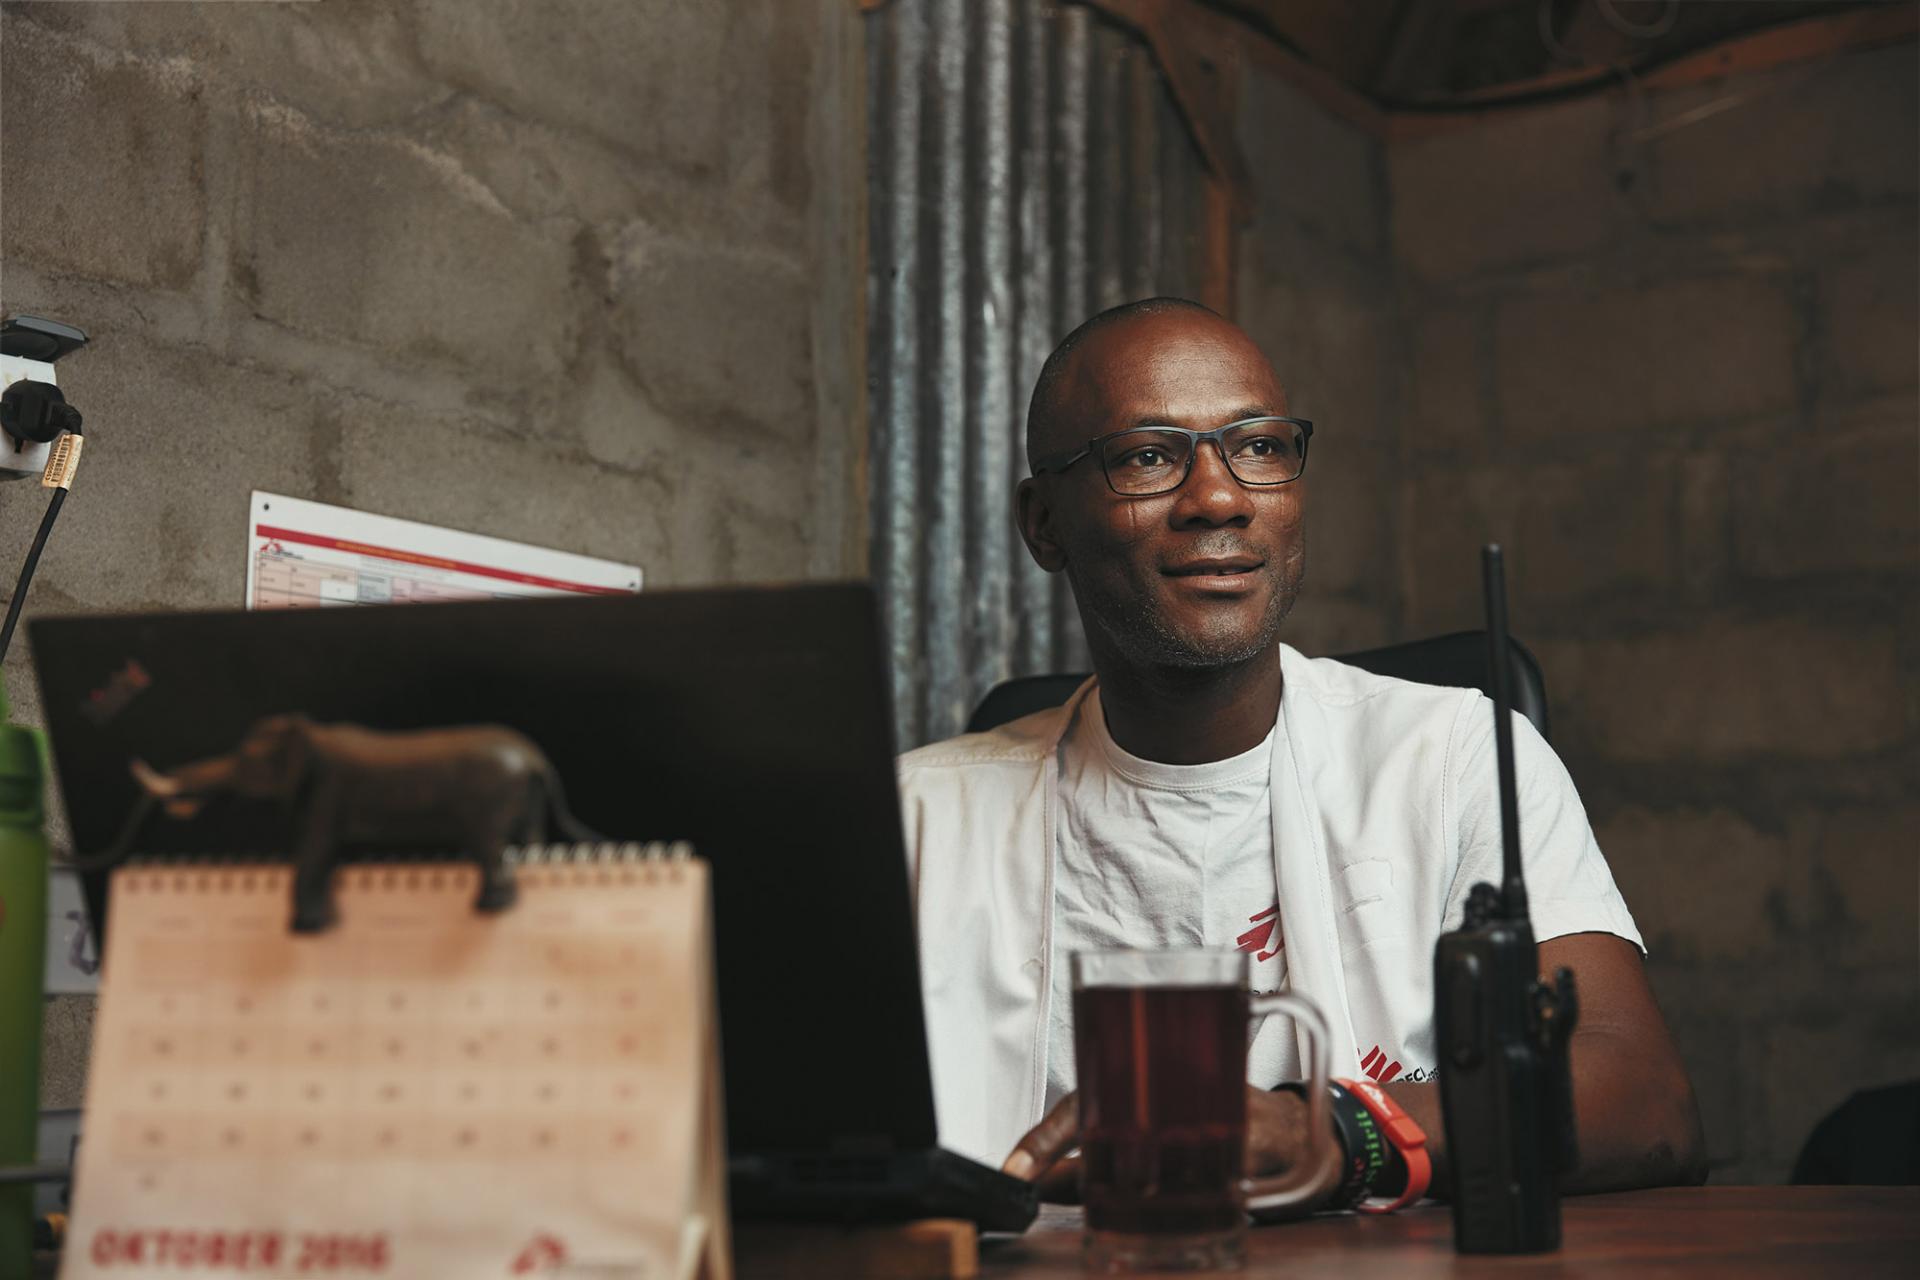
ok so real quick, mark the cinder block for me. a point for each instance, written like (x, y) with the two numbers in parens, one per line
(1834, 135)
(753, 545)
(1668, 863)
(1864, 890)
(1309, 168)
(385, 244)
(616, 423)
(1448, 409)
(756, 512)
(1573, 534)
(1705, 520)
(1610, 363)
(1324, 625)
(486, 482)
(705, 91)
(1350, 517)
(1721, 692)
(717, 338)
(691, 509)
(717, 537)
(1511, 191)
(104, 163)
(761, 514)
(350, 62)
(1808, 502)
(557, 178)
(1870, 321)
(1326, 323)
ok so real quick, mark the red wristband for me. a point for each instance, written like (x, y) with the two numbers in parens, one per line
(1406, 1137)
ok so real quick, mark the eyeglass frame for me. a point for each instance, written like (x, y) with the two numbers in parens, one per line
(1059, 462)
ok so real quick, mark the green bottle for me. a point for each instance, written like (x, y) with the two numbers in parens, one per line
(23, 954)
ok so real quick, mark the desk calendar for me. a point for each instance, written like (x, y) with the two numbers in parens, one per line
(420, 1091)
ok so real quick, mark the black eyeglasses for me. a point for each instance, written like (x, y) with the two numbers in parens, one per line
(1142, 461)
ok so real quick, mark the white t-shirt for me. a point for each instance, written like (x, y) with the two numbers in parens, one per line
(1160, 856)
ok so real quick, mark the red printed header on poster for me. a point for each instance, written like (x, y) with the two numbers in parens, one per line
(304, 554)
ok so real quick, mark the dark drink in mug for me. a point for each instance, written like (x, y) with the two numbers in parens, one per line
(1160, 1044)
(1163, 1106)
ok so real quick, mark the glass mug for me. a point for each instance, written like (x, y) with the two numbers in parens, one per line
(1160, 1043)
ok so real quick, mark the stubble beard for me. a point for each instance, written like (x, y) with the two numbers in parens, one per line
(1147, 640)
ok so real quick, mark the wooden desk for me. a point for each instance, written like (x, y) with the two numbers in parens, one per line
(1853, 1232)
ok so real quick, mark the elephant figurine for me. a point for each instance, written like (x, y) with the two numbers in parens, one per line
(477, 788)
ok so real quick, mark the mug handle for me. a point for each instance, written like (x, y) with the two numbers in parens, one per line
(1301, 1187)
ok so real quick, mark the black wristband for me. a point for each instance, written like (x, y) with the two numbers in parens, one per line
(1389, 1176)
(1363, 1149)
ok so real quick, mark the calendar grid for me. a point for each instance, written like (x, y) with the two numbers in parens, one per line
(419, 1059)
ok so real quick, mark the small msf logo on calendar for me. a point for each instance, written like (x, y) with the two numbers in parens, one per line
(546, 1255)
(543, 1255)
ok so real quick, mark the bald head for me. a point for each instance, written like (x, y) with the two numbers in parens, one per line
(1071, 398)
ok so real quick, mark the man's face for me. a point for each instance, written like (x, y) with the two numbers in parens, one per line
(1199, 577)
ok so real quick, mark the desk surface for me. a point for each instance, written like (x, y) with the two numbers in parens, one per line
(1734, 1231)
(1855, 1232)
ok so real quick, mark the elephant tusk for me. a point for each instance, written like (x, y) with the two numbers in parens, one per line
(152, 781)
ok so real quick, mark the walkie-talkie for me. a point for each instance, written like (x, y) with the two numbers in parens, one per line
(1505, 1089)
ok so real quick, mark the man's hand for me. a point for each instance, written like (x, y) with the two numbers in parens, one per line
(1041, 1156)
(1277, 1139)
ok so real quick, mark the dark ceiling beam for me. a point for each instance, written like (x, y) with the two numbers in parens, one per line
(1389, 117)
(1820, 37)
(1197, 42)
(1805, 40)
(1198, 59)
(1421, 31)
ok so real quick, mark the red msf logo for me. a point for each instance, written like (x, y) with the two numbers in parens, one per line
(1256, 938)
(543, 1253)
(1375, 1064)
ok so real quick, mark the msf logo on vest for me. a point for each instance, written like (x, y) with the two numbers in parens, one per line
(1266, 929)
(1378, 1068)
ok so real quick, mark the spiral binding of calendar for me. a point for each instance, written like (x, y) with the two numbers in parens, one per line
(653, 858)
(535, 855)
(559, 863)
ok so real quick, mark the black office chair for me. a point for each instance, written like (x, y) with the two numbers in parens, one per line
(1459, 660)
(1870, 1140)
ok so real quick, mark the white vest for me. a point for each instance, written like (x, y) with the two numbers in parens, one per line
(1384, 814)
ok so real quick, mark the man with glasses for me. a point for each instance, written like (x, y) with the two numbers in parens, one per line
(1214, 787)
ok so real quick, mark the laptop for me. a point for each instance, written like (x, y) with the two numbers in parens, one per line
(752, 722)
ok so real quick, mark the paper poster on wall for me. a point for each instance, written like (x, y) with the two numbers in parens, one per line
(302, 554)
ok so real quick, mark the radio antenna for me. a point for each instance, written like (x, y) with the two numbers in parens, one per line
(1500, 672)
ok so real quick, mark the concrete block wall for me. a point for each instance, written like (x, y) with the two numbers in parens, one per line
(583, 273)
(1674, 367)
(1315, 288)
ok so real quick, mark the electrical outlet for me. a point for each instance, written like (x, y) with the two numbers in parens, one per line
(22, 458)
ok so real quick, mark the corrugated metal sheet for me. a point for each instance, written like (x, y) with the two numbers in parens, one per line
(1028, 169)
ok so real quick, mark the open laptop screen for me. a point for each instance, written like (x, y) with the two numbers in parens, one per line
(752, 722)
